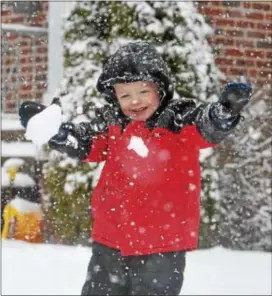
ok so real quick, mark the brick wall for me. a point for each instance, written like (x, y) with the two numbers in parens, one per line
(24, 55)
(243, 37)
(10, 14)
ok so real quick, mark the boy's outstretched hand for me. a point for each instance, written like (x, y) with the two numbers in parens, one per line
(235, 96)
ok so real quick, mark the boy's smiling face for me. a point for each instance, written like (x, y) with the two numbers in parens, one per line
(138, 100)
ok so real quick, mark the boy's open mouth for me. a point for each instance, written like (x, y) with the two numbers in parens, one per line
(138, 109)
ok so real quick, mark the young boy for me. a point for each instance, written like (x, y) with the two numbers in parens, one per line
(146, 205)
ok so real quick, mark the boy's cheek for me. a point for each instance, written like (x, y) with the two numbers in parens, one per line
(124, 108)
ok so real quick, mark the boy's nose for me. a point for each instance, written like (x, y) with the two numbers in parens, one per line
(135, 101)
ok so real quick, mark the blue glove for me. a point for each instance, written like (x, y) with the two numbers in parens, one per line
(235, 96)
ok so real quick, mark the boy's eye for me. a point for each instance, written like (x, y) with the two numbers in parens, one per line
(144, 91)
(124, 97)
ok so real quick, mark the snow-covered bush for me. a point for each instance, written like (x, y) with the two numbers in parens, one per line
(245, 173)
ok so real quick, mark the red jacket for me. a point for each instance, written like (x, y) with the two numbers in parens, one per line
(151, 204)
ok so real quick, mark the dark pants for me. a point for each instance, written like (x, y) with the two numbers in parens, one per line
(109, 273)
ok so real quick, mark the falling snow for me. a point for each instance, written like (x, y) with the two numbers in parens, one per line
(236, 178)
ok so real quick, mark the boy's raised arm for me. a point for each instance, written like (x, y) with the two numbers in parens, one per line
(213, 121)
(216, 121)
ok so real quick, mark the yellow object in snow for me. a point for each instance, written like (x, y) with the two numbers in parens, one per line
(22, 221)
(12, 171)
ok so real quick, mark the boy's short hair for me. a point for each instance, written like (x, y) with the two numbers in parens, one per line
(135, 61)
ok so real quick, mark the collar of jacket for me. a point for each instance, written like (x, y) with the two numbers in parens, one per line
(138, 128)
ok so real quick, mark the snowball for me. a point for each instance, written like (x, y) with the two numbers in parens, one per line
(44, 125)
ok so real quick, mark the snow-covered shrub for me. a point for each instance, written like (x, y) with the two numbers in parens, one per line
(245, 178)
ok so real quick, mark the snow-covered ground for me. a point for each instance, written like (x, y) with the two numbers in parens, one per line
(35, 269)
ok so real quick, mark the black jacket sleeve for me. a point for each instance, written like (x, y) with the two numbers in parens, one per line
(213, 121)
(76, 139)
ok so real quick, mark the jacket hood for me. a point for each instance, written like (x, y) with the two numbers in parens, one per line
(136, 61)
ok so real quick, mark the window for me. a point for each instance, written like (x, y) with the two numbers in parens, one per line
(25, 7)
